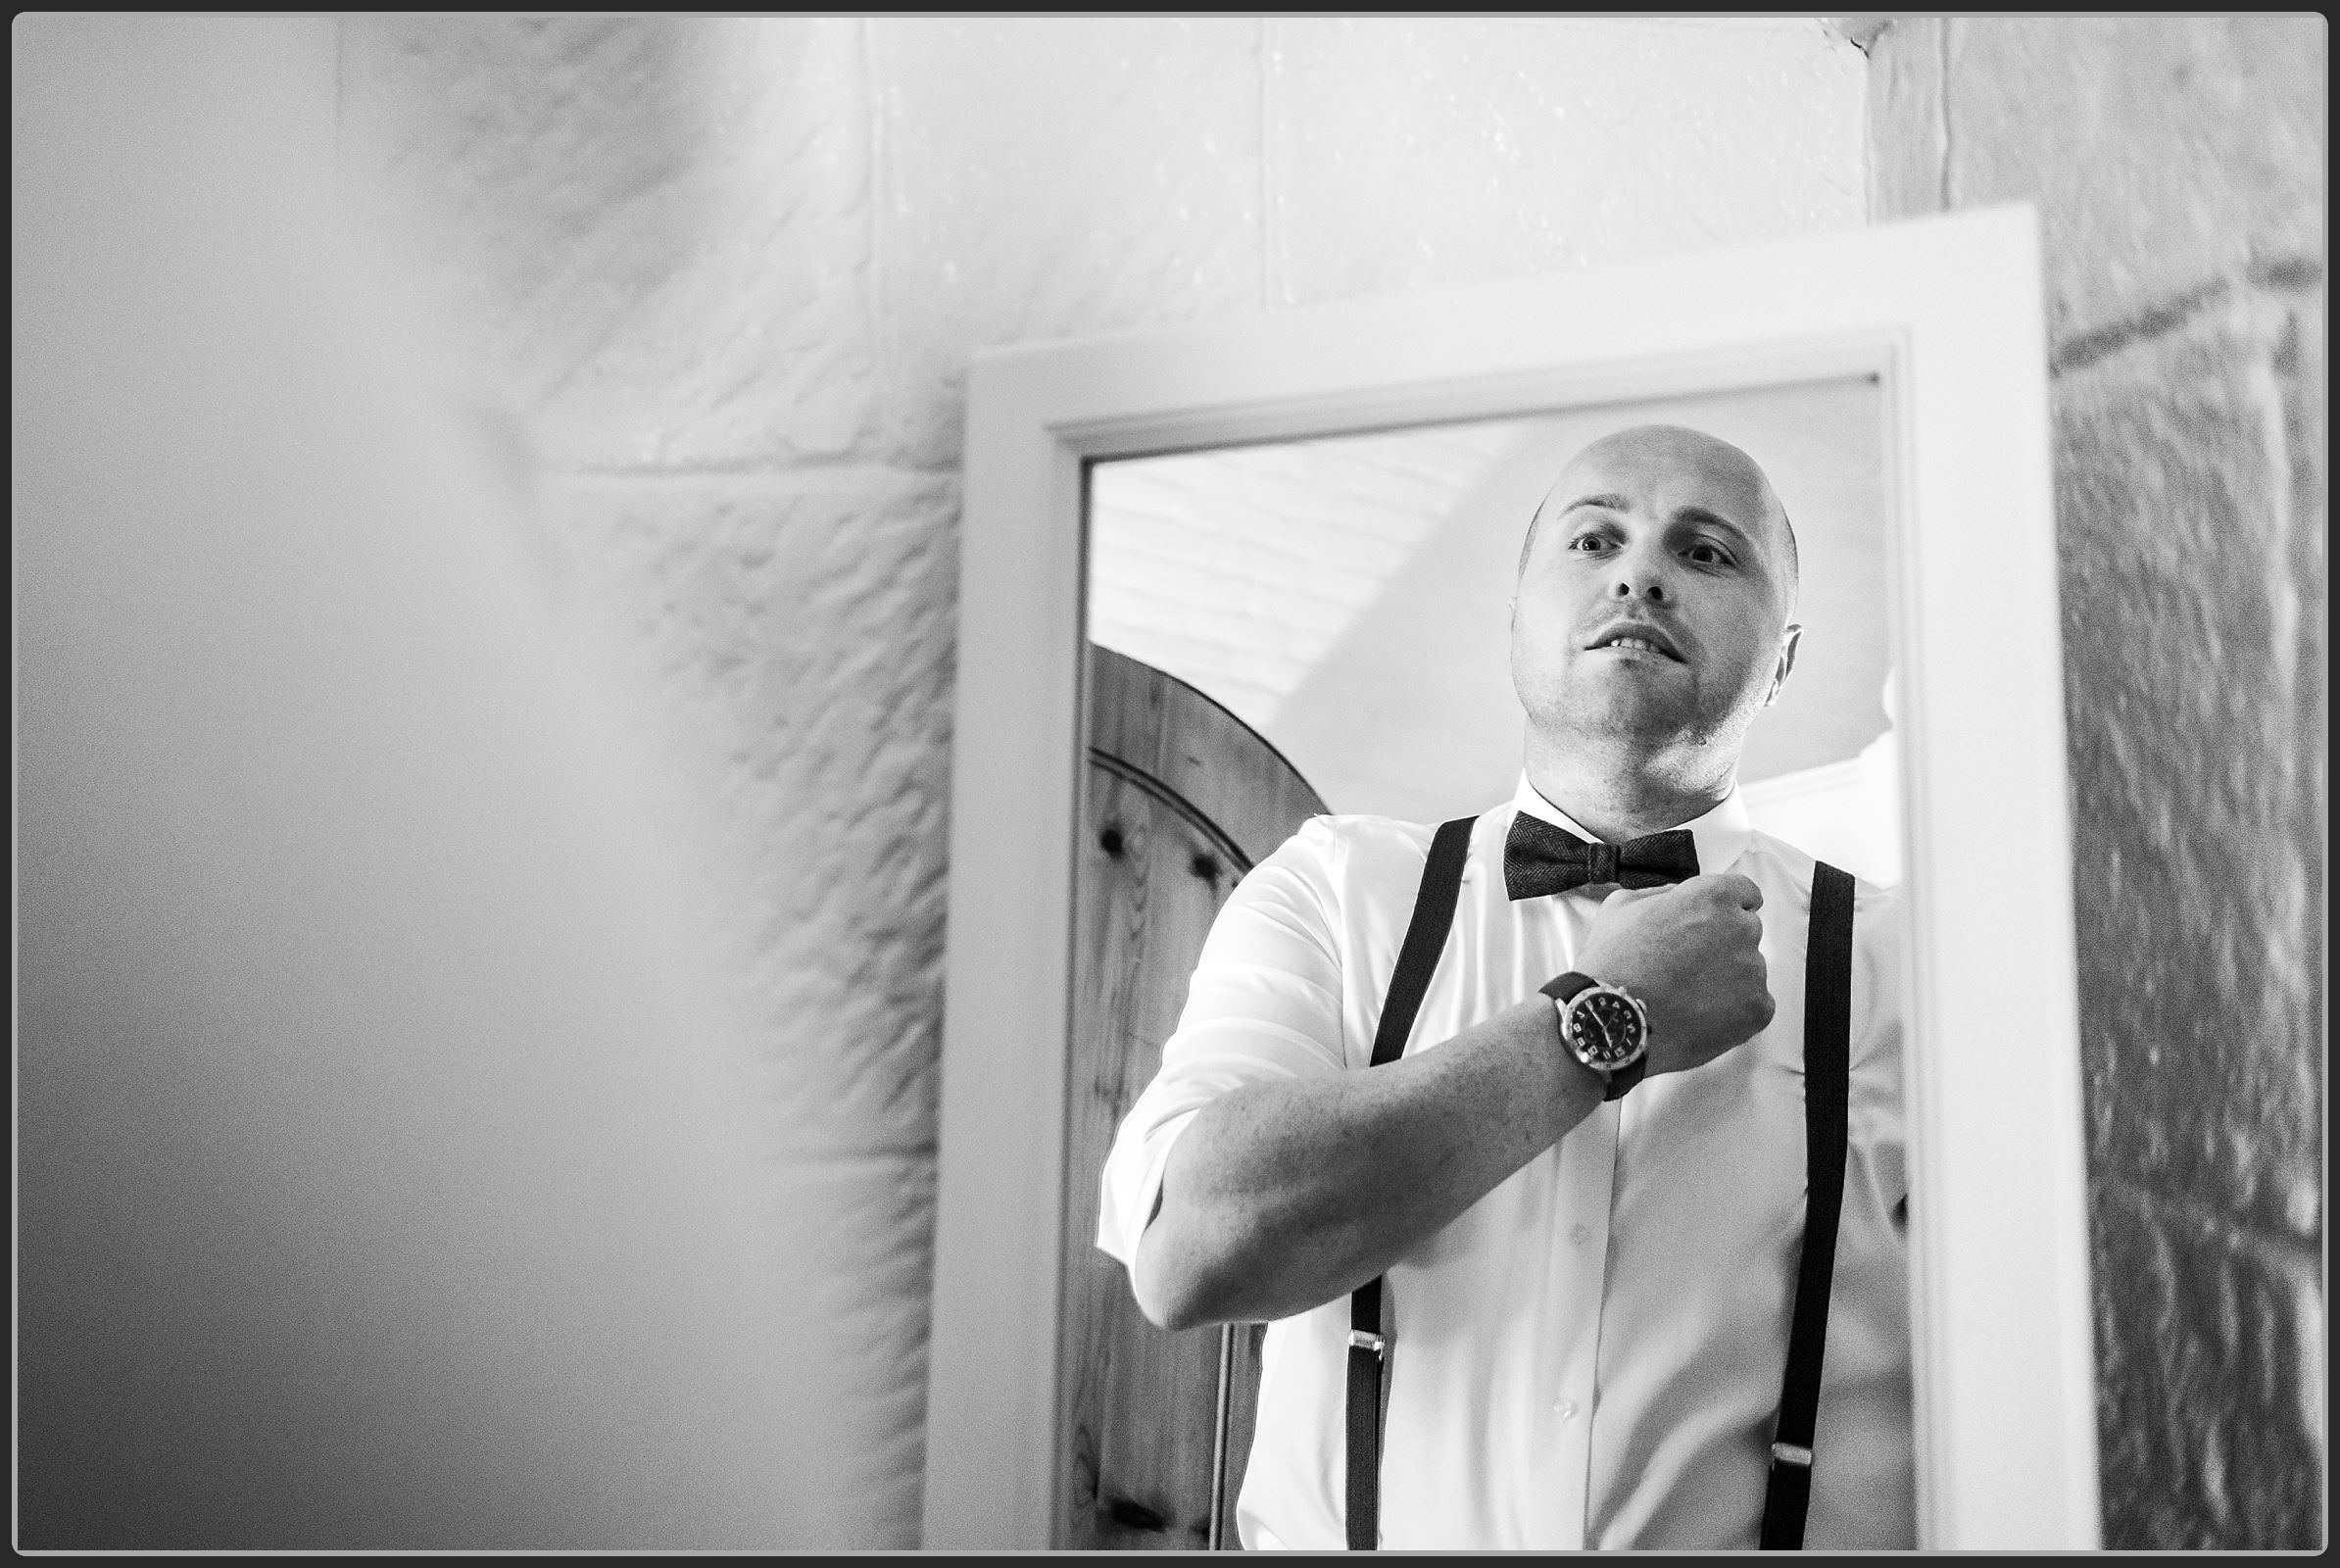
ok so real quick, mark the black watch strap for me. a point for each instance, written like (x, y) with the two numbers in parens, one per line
(1625, 1077)
(1561, 987)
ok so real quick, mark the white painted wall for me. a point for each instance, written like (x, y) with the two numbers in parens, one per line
(729, 271)
(1847, 813)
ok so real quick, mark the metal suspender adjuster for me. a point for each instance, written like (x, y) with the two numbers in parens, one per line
(1417, 958)
(1828, 1066)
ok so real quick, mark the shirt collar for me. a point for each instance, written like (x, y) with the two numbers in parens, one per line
(1722, 834)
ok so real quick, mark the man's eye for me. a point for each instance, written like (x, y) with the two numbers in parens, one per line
(1589, 541)
(1707, 555)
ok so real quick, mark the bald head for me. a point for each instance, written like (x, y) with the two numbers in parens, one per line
(1631, 461)
(1654, 620)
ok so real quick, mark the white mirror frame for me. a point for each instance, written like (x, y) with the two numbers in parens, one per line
(1946, 313)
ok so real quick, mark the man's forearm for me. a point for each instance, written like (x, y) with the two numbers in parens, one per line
(1282, 1196)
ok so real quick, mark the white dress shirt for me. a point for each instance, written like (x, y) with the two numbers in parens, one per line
(1589, 1355)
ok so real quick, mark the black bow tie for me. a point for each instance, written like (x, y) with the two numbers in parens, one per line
(1539, 858)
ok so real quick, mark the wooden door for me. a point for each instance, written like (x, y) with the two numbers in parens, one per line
(1181, 799)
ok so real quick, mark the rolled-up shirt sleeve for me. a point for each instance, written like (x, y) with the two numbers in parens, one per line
(1265, 1004)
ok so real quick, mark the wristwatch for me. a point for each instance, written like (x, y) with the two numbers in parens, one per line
(1605, 1028)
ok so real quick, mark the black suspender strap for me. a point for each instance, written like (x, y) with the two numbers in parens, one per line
(1417, 960)
(1828, 1052)
(1425, 938)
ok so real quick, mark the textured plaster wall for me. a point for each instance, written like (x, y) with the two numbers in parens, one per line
(732, 270)
(2178, 164)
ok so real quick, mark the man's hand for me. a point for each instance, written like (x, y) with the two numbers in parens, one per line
(1689, 952)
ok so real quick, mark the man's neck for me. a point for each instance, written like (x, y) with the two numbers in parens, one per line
(1622, 797)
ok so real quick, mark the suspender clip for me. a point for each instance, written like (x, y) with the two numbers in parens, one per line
(1359, 1340)
(1790, 1454)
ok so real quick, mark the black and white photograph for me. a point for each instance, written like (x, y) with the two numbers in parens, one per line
(1132, 782)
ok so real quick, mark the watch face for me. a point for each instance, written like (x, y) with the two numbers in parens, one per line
(1605, 1028)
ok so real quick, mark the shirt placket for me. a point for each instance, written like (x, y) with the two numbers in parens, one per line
(1580, 1264)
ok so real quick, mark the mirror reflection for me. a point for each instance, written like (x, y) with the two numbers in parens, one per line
(1291, 629)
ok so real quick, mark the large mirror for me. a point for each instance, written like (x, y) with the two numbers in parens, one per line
(1341, 603)
(1207, 576)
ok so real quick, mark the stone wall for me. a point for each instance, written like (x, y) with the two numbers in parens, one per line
(732, 270)
(2177, 164)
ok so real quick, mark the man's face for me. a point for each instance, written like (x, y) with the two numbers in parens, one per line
(1654, 596)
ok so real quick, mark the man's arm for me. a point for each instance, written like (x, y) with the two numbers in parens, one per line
(1280, 1197)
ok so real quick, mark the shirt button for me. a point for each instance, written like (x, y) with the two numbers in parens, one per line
(1567, 1410)
(1580, 1233)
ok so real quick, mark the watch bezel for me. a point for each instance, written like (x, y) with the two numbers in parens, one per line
(1581, 1001)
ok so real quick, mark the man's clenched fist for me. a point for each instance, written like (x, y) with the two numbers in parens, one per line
(1690, 952)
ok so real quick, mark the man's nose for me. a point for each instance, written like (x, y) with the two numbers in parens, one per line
(1639, 576)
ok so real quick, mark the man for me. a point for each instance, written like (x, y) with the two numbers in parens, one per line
(1587, 1286)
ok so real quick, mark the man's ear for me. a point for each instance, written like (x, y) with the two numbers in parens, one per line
(1788, 638)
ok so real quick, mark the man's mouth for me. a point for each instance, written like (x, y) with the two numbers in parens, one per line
(1646, 641)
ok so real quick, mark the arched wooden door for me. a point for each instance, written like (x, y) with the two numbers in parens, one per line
(1182, 799)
